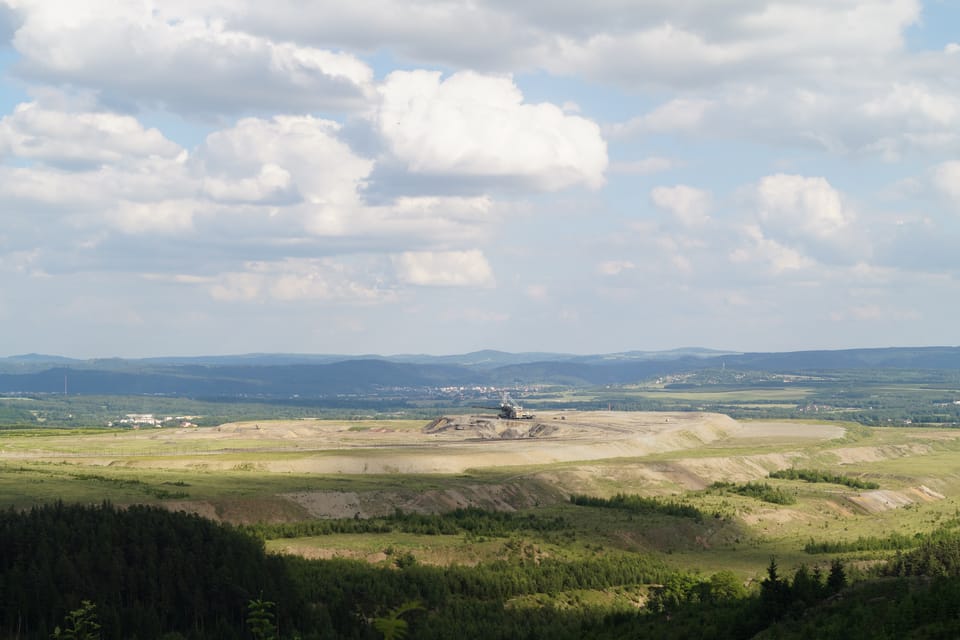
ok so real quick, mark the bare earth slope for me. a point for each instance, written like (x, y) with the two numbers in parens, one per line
(477, 459)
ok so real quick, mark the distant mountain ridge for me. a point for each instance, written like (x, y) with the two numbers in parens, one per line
(283, 375)
(484, 359)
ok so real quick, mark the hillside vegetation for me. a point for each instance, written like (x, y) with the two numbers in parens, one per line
(330, 523)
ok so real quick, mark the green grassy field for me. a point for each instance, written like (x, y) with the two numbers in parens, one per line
(238, 475)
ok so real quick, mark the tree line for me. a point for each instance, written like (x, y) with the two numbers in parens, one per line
(759, 490)
(640, 504)
(813, 475)
(469, 520)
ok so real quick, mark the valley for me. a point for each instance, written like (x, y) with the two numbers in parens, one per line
(290, 471)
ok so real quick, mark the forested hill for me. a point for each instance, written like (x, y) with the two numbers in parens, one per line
(285, 375)
(74, 571)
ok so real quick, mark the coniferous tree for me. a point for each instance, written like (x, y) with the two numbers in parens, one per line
(837, 579)
(774, 591)
(260, 619)
(80, 624)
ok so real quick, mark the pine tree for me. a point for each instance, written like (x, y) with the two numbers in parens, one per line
(80, 624)
(392, 626)
(837, 579)
(774, 591)
(260, 619)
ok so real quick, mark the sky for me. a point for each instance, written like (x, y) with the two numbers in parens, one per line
(185, 177)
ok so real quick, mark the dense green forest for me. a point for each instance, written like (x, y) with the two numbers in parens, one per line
(144, 573)
(146, 570)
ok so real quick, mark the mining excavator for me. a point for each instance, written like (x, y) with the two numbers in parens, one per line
(510, 410)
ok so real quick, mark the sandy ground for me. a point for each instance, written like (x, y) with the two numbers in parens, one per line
(883, 500)
(791, 430)
(459, 444)
(347, 504)
(852, 455)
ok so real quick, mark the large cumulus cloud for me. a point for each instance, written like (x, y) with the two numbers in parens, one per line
(478, 125)
(180, 57)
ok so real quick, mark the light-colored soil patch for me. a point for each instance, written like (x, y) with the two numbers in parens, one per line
(664, 477)
(835, 507)
(881, 500)
(942, 436)
(329, 504)
(736, 468)
(776, 516)
(202, 508)
(853, 455)
(926, 493)
(241, 510)
(498, 497)
(790, 430)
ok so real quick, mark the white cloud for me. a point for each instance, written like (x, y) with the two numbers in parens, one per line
(691, 206)
(63, 138)
(283, 184)
(238, 287)
(916, 103)
(351, 188)
(678, 115)
(478, 125)
(453, 207)
(301, 162)
(44, 189)
(300, 280)
(802, 206)
(615, 267)
(216, 57)
(290, 152)
(273, 184)
(657, 41)
(444, 268)
(294, 160)
(646, 166)
(440, 219)
(454, 32)
(174, 216)
(181, 57)
(946, 178)
(778, 257)
(22, 262)
(687, 44)
(872, 115)
(676, 250)
(94, 170)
